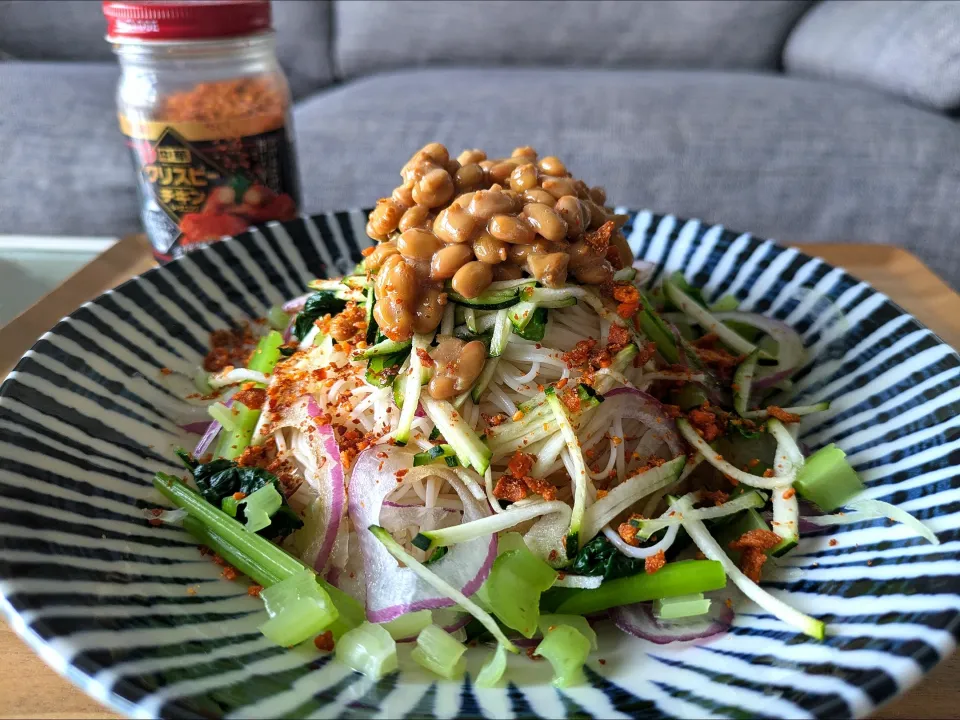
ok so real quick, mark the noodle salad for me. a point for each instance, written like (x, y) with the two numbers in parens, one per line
(497, 430)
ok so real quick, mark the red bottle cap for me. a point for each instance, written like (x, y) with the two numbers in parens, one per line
(186, 20)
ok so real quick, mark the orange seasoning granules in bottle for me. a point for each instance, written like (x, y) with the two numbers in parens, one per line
(205, 108)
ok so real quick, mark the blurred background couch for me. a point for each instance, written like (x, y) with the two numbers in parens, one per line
(796, 120)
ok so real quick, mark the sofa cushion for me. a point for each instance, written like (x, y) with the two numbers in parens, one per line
(388, 34)
(908, 48)
(787, 158)
(67, 169)
(74, 30)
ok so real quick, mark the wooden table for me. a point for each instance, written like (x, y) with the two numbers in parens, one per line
(29, 689)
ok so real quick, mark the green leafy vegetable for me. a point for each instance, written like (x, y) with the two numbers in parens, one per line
(324, 302)
(220, 479)
(601, 557)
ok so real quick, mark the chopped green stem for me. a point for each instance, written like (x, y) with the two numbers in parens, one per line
(246, 562)
(233, 443)
(567, 650)
(251, 554)
(681, 607)
(267, 353)
(684, 577)
(222, 414)
(827, 479)
(440, 653)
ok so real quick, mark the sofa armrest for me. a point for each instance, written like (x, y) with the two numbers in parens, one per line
(910, 48)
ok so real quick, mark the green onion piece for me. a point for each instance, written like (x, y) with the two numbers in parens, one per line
(827, 479)
(493, 668)
(408, 625)
(432, 579)
(277, 318)
(684, 577)
(513, 588)
(368, 649)
(298, 608)
(681, 607)
(259, 506)
(223, 415)
(233, 443)
(550, 622)
(267, 353)
(567, 651)
(440, 653)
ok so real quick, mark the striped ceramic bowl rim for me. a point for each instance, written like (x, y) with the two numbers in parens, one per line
(135, 617)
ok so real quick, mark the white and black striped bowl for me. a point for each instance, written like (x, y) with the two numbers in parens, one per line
(138, 619)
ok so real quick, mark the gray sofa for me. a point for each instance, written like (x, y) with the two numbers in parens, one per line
(801, 121)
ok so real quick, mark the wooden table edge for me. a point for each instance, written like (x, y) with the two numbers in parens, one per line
(892, 268)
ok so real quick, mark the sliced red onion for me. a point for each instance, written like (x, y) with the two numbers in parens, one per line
(790, 352)
(322, 494)
(649, 411)
(392, 590)
(331, 486)
(197, 428)
(210, 434)
(638, 620)
(296, 305)
(213, 429)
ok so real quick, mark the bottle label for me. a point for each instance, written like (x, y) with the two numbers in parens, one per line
(198, 183)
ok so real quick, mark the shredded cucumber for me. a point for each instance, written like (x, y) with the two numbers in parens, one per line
(470, 449)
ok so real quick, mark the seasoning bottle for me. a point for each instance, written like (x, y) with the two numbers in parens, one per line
(205, 108)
